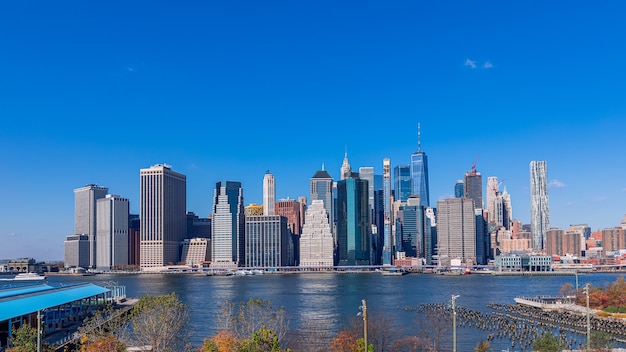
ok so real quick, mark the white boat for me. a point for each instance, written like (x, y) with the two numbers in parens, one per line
(28, 277)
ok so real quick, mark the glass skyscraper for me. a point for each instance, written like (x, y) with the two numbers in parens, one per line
(402, 182)
(322, 189)
(419, 174)
(353, 224)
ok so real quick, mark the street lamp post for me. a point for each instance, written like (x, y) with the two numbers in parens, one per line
(364, 309)
(39, 331)
(588, 322)
(454, 297)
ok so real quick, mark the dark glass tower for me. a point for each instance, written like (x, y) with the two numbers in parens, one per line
(402, 182)
(419, 174)
(353, 224)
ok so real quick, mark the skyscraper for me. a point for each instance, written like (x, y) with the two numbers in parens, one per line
(163, 214)
(539, 203)
(456, 229)
(322, 189)
(474, 187)
(353, 224)
(316, 242)
(85, 218)
(459, 189)
(401, 182)
(112, 233)
(228, 225)
(268, 242)
(269, 194)
(387, 246)
(419, 173)
(345, 167)
(492, 194)
(367, 173)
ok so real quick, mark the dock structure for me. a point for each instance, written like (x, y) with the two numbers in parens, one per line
(54, 308)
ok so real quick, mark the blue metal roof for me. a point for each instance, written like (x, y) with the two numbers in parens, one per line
(22, 301)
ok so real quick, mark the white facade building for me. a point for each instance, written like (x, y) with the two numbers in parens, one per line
(163, 214)
(317, 244)
(112, 232)
(228, 226)
(196, 251)
(539, 205)
(76, 251)
(269, 195)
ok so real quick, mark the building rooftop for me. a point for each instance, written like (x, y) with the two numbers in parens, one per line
(18, 301)
(322, 174)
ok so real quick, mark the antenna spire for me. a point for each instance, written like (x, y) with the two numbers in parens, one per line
(419, 145)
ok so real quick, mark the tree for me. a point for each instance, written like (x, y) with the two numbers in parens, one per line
(108, 343)
(24, 339)
(547, 343)
(616, 292)
(346, 341)
(411, 344)
(600, 341)
(433, 325)
(310, 336)
(104, 323)
(567, 290)
(246, 318)
(224, 341)
(264, 340)
(160, 322)
(482, 346)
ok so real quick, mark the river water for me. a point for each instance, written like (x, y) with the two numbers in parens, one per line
(334, 298)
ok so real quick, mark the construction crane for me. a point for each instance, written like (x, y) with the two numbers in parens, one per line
(473, 172)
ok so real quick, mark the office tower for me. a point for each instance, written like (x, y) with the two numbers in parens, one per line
(387, 241)
(539, 203)
(134, 239)
(459, 189)
(290, 208)
(85, 219)
(411, 224)
(419, 174)
(268, 242)
(492, 194)
(269, 194)
(483, 239)
(508, 209)
(353, 224)
(112, 232)
(316, 242)
(195, 251)
(198, 227)
(163, 197)
(402, 182)
(474, 187)
(228, 226)
(345, 167)
(367, 173)
(302, 201)
(76, 251)
(456, 230)
(322, 189)
(430, 235)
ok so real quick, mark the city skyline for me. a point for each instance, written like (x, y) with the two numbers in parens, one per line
(228, 91)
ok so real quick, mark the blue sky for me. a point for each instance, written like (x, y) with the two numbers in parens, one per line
(91, 92)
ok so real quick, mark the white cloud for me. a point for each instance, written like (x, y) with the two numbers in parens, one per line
(556, 184)
(470, 63)
(569, 204)
(130, 69)
(599, 199)
(487, 65)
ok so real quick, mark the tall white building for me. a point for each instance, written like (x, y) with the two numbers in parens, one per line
(228, 226)
(112, 232)
(163, 215)
(539, 204)
(492, 195)
(367, 173)
(85, 219)
(269, 194)
(316, 241)
(345, 168)
(456, 230)
(387, 238)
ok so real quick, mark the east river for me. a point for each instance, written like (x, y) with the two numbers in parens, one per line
(334, 298)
